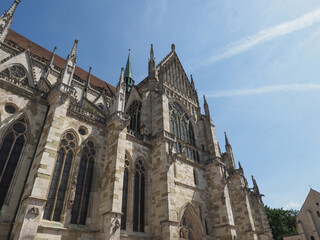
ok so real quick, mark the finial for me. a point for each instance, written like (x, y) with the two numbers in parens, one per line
(29, 46)
(74, 48)
(173, 47)
(192, 83)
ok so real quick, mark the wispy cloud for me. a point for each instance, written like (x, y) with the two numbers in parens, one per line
(266, 35)
(263, 90)
(292, 205)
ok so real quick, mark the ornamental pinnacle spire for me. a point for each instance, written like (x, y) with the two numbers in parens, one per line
(6, 20)
(128, 74)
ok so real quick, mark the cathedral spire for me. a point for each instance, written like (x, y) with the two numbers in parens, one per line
(50, 63)
(73, 52)
(6, 20)
(128, 74)
(85, 88)
(128, 70)
(151, 52)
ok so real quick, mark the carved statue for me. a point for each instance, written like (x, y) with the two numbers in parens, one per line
(172, 154)
(73, 188)
(184, 230)
(115, 226)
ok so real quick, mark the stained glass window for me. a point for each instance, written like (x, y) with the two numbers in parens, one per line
(84, 181)
(125, 193)
(10, 152)
(134, 112)
(59, 181)
(139, 197)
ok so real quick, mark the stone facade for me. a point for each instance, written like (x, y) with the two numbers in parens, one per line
(308, 219)
(103, 162)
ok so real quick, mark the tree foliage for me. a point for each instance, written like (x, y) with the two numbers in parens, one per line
(282, 222)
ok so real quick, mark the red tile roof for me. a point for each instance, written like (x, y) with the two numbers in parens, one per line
(58, 61)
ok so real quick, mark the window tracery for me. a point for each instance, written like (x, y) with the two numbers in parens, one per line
(139, 197)
(125, 193)
(60, 177)
(84, 182)
(10, 152)
(16, 72)
(181, 127)
(134, 112)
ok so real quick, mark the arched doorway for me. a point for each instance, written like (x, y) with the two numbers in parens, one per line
(190, 226)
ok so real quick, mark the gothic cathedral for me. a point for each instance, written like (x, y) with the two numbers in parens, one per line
(82, 159)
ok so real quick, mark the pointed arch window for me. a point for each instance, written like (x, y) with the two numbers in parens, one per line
(134, 112)
(139, 197)
(10, 152)
(17, 73)
(60, 177)
(84, 182)
(124, 207)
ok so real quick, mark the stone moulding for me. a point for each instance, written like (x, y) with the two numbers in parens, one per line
(82, 114)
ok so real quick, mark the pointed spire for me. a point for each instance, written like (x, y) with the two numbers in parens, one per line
(128, 71)
(50, 63)
(121, 79)
(226, 139)
(255, 187)
(6, 20)
(85, 88)
(173, 47)
(151, 52)
(240, 167)
(192, 83)
(74, 49)
(206, 107)
(70, 65)
(13, 7)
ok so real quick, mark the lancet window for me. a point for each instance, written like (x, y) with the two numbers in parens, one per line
(60, 177)
(139, 197)
(134, 112)
(10, 152)
(84, 182)
(124, 207)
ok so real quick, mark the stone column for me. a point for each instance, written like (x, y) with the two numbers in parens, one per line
(112, 178)
(220, 208)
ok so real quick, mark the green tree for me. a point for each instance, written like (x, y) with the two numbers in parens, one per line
(282, 222)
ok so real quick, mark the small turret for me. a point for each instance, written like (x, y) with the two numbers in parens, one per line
(67, 73)
(128, 75)
(85, 88)
(6, 20)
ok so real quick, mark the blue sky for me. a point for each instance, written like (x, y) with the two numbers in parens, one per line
(258, 63)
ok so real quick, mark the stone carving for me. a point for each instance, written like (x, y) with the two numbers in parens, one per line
(172, 154)
(72, 194)
(184, 229)
(34, 211)
(115, 226)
